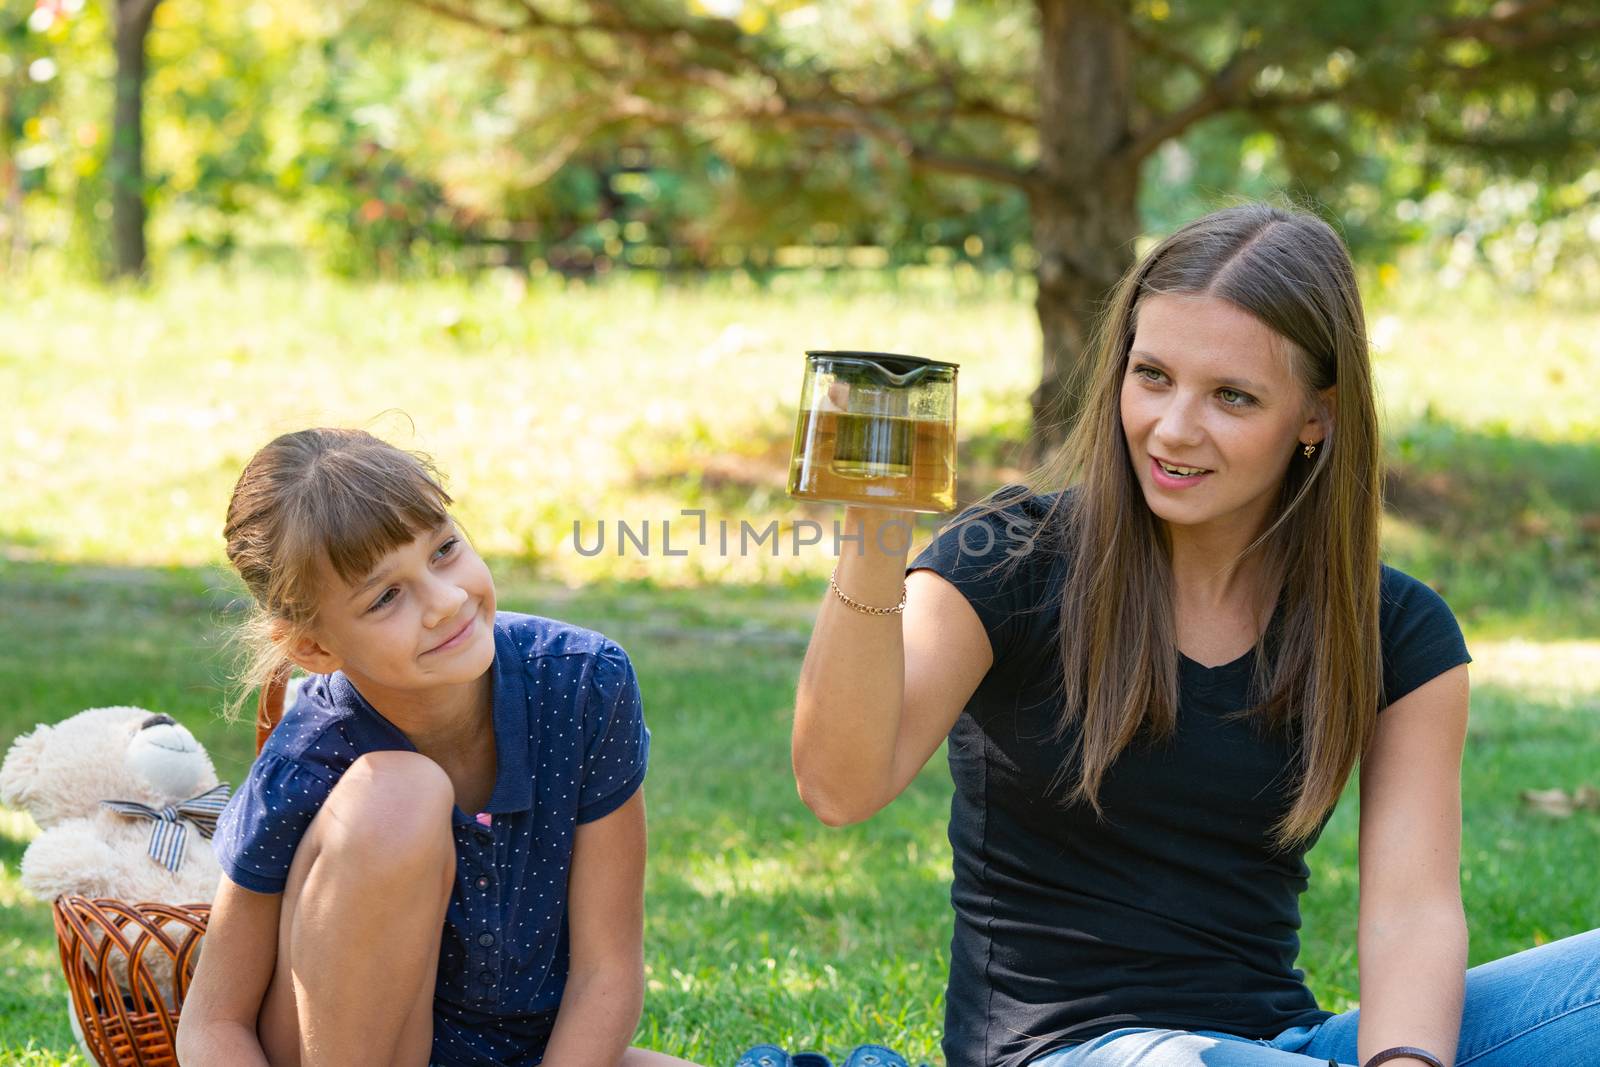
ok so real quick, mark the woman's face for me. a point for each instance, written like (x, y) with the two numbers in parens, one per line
(1209, 387)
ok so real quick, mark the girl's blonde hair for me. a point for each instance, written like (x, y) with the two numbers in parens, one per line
(338, 497)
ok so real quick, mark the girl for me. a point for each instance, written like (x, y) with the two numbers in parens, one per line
(1155, 684)
(438, 855)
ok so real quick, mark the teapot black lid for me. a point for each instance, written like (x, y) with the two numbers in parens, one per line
(894, 362)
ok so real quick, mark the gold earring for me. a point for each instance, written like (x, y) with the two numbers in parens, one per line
(1309, 450)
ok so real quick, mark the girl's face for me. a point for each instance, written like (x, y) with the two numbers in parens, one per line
(1209, 387)
(423, 618)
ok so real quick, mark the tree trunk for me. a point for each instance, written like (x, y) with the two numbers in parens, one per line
(131, 26)
(1085, 213)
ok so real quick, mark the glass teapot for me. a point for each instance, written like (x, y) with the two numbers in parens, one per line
(876, 428)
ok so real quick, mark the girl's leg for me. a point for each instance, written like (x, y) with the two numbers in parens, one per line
(362, 915)
(1539, 1006)
(643, 1057)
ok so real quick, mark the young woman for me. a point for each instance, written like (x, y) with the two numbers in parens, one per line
(438, 856)
(1155, 683)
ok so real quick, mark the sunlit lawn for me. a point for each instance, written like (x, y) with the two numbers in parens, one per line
(127, 418)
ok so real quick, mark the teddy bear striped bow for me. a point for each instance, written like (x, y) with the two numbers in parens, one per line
(169, 836)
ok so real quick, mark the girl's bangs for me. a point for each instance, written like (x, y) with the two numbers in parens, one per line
(352, 519)
(359, 530)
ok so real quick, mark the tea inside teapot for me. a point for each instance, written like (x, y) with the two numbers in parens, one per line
(876, 429)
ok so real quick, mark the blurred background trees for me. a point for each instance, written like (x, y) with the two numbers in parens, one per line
(1028, 139)
(1066, 103)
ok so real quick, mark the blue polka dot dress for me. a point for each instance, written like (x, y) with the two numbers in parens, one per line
(571, 746)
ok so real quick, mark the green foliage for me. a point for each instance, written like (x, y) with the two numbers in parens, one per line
(1478, 149)
(392, 140)
(42, 163)
(789, 123)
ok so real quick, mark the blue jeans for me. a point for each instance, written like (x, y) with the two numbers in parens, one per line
(1537, 1008)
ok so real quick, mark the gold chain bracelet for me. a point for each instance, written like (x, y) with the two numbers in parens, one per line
(865, 609)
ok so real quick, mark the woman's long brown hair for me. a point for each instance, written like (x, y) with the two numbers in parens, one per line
(1320, 681)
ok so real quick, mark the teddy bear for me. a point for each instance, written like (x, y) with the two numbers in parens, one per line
(100, 784)
(126, 800)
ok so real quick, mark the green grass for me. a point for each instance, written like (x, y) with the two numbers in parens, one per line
(132, 414)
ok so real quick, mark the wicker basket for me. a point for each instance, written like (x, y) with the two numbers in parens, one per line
(128, 966)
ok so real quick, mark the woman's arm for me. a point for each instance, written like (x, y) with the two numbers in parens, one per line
(1413, 933)
(878, 693)
(605, 924)
(218, 1022)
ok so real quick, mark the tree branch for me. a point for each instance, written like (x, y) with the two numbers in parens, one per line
(1505, 27)
(846, 117)
(1524, 144)
(664, 44)
(1543, 36)
(1225, 89)
(470, 18)
(1487, 28)
(1154, 45)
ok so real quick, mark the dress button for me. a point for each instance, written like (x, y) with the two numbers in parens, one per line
(487, 978)
(482, 882)
(486, 940)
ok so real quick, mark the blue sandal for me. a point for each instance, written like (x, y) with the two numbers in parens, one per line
(860, 1056)
(764, 1056)
(874, 1056)
(773, 1056)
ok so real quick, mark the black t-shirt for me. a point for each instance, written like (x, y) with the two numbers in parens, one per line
(1175, 913)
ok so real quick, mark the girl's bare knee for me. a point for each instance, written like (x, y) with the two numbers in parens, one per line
(391, 812)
